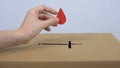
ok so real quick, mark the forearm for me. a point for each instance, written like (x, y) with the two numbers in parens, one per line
(36, 20)
(11, 38)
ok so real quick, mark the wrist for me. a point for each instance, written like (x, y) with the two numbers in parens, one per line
(21, 36)
(12, 38)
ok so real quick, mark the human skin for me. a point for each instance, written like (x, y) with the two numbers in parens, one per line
(36, 19)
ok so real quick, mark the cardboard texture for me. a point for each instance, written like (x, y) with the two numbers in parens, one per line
(97, 51)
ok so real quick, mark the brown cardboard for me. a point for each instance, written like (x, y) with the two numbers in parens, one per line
(98, 50)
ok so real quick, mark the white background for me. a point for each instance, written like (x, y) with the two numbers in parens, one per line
(83, 16)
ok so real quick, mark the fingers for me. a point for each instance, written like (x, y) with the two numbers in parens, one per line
(47, 9)
(52, 21)
(47, 29)
(45, 16)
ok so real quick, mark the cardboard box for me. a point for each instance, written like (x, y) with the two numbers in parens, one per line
(97, 50)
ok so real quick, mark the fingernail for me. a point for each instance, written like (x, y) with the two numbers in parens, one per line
(55, 25)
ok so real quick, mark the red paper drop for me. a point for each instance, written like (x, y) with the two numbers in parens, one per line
(61, 16)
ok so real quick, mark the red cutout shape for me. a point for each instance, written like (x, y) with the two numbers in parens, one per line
(61, 16)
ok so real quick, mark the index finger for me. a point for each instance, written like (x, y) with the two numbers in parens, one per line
(47, 9)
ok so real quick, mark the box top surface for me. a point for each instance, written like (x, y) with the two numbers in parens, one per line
(95, 47)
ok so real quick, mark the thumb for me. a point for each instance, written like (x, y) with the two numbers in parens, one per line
(52, 21)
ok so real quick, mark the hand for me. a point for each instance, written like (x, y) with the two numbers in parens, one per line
(37, 19)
